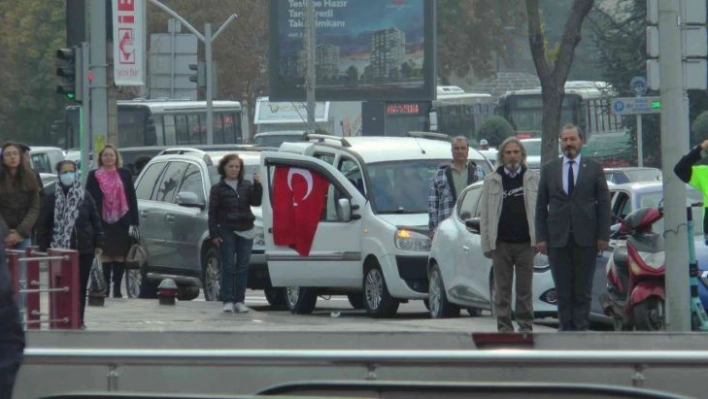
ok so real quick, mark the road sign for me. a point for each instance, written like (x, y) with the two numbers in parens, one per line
(636, 105)
(638, 84)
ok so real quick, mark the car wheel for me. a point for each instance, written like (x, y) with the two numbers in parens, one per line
(133, 280)
(187, 292)
(138, 286)
(357, 301)
(211, 274)
(378, 301)
(474, 312)
(276, 298)
(301, 300)
(440, 307)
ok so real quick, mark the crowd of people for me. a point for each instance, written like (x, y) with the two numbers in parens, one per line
(563, 212)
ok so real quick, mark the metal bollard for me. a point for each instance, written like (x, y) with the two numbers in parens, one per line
(167, 292)
(64, 289)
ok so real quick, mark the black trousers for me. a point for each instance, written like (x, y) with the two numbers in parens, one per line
(573, 268)
(85, 263)
(12, 342)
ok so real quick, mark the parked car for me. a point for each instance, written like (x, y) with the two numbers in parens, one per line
(461, 276)
(45, 159)
(632, 175)
(173, 203)
(369, 246)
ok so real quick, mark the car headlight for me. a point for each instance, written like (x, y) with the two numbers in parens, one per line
(540, 262)
(411, 241)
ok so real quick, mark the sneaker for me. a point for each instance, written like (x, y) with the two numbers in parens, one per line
(228, 308)
(240, 308)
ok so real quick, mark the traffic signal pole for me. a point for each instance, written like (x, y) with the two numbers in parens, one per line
(85, 124)
(98, 133)
(674, 143)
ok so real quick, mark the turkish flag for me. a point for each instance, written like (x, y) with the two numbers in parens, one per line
(298, 201)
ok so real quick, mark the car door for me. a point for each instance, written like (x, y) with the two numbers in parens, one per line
(163, 213)
(335, 256)
(186, 224)
(472, 266)
(150, 233)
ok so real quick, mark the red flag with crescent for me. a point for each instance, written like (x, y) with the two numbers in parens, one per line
(298, 201)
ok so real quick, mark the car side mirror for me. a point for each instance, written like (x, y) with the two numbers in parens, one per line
(344, 210)
(188, 200)
(473, 225)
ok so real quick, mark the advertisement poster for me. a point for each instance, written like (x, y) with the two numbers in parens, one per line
(365, 50)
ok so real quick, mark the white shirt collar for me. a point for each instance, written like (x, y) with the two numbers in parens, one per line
(576, 160)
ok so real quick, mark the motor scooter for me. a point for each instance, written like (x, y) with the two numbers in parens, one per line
(635, 293)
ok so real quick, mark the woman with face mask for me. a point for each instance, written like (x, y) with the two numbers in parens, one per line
(69, 219)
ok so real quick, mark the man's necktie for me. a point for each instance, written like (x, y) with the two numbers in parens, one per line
(571, 178)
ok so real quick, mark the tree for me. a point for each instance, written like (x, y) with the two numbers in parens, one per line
(552, 66)
(620, 36)
(495, 130)
(471, 32)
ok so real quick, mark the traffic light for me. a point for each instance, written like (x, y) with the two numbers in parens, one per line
(200, 76)
(70, 73)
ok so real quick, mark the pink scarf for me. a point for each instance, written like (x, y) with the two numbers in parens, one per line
(115, 205)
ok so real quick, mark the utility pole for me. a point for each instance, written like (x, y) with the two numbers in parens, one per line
(311, 76)
(99, 85)
(674, 143)
(207, 38)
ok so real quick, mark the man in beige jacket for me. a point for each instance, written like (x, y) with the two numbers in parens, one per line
(508, 208)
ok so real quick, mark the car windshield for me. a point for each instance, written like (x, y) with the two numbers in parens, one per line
(248, 174)
(533, 148)
(402, 186)
(654, 199)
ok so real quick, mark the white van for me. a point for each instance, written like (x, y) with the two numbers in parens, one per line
(45, 159)
(371, 242)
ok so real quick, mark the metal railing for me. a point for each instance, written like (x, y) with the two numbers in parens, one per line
(370, 360)
(62, 289)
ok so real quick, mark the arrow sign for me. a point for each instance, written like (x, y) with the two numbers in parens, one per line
(636, 105)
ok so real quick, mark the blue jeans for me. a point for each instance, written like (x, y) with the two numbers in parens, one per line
(234, 277)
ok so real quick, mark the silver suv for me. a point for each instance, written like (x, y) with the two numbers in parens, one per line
(173, 202)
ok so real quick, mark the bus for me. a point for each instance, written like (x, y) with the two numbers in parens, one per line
(460, 113)
(163, 122)
(586, 104)
(454, 112)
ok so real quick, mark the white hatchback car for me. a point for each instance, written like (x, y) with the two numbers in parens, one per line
(371, 242)
(460, 276)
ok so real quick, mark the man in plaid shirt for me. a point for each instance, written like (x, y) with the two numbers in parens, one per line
(449, 181)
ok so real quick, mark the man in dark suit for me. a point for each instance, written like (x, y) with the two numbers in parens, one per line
(572, 226)
(12, 339)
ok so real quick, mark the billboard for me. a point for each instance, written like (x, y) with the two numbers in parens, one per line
(366, 50)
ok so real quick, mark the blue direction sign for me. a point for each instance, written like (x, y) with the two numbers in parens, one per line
(638, 84)
(636, 105)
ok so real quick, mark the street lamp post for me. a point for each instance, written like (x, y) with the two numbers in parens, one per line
(207, 38)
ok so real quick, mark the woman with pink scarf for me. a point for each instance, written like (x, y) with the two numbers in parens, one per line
(112, 188)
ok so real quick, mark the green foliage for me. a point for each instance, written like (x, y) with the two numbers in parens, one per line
(699, 128)
(470, 32)
(495, 130)
(30, 33)
(620, 38)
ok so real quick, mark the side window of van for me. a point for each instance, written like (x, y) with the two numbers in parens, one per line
(40, 163)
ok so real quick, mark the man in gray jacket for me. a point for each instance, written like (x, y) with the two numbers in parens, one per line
(508, 208)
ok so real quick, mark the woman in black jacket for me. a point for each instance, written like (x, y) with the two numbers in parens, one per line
(231, 228)
(111, 186)
(69, 220)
